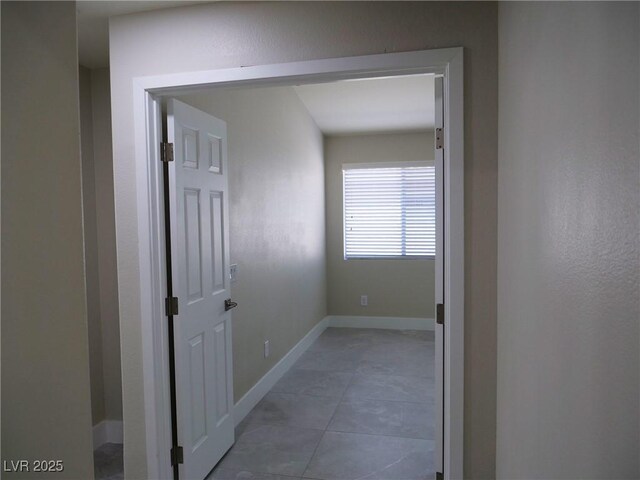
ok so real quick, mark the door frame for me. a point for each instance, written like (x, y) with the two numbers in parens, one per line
(147, 97)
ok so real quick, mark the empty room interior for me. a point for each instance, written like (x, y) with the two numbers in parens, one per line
(331, 235)
(333, 240)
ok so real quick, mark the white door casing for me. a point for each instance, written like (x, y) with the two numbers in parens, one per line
(439, 272)
(199, 219)
(148, 94)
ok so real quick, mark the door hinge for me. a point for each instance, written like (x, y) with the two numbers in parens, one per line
(171, 306)
(177, 455)
(440, 314)
(166, 152)
(439, 138)
(439, 476)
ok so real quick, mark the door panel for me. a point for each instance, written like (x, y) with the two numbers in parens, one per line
(192, 243)
(217, 248)
(220, 342)
(215, 154)
(198, 212)
(197, 387)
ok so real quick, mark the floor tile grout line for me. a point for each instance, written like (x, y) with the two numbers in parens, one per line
(279, 392)
(381, 435)
(258, 423)
(340, 402)
(387, 400)
(328, 423)
(293, 367)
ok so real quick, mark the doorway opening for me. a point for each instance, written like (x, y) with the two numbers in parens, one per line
(150, 94)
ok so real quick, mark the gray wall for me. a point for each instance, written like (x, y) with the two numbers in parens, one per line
(277, 223)
(233, 34)
(396, 288)
(568, 259)
(45, 359)
(100, 251)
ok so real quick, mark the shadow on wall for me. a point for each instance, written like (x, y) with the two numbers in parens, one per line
(100, 253)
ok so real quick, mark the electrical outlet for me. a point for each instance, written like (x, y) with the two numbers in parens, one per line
(364, 300)
(233, 272)
(266, 348)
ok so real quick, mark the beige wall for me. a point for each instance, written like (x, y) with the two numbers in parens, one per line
(100, 251)
(45, 359)
(106, 236)
(395, 288)
(277, 223)
(568, 259)
(233, 34)
(91, 248)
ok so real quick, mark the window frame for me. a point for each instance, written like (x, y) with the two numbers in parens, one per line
(372, 165)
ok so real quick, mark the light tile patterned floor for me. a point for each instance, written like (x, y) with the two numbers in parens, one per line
(359, 404)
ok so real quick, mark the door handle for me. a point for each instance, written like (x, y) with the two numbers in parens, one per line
(228, 305)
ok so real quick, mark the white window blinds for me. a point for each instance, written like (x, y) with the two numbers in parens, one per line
(389, 211)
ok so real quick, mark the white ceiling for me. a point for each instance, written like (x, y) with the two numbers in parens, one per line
(375, 105)
(93, 25)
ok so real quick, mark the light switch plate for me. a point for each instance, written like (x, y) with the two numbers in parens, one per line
(233, 272)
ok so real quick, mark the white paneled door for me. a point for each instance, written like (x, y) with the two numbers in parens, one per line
(199, 220)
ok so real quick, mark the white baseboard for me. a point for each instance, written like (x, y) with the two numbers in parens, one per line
(391, 323)
(260, 389)
(107, 431)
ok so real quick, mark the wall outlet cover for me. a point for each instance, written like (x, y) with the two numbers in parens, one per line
(364, 300)
(266, 348)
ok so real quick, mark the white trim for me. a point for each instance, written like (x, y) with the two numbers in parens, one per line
(454, 268)
(439, 274)
(266, 383)
(390, 323)
(298, 73)
(153, 283)
(147, 93)
(107, 431)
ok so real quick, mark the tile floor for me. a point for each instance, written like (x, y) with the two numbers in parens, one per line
(107, 462)
(359, 404)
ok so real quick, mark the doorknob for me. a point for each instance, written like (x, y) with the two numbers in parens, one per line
(228, 305)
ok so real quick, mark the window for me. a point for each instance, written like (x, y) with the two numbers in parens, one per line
(389, 210)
